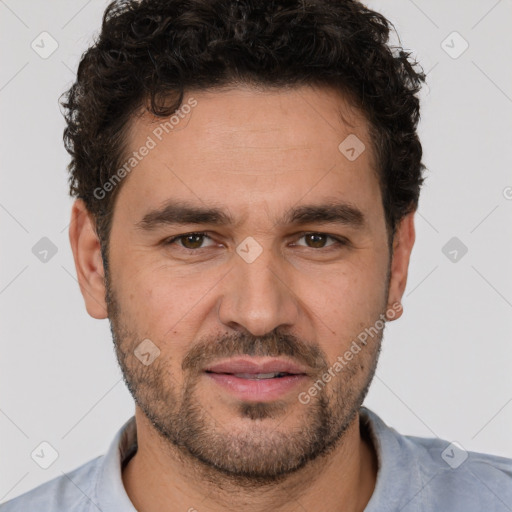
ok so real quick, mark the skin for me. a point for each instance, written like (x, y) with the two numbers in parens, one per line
(255, 154)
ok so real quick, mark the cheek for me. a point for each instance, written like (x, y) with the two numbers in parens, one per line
(344, 303)
(357, 284)
(166, 306)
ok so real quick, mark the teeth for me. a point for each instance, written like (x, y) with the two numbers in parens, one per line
(259, 375)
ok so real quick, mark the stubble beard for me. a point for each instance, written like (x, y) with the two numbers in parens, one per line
(259, 453)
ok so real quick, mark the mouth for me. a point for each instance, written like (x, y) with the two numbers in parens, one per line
(257, 379)
(258, 376)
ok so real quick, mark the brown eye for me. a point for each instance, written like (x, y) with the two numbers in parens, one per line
(314, 240)
(193, 241)
(190, 241)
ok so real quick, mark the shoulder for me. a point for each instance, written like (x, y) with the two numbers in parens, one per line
(430, 474)
(455, 478)
(71, 492)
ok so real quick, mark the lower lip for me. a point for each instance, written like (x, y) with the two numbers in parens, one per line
(258, 390)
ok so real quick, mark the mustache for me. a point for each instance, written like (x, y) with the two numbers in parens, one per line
(238, 344)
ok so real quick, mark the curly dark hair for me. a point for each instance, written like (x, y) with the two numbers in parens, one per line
(150, 52)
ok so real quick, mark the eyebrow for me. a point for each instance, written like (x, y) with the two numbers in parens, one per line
(180, 212)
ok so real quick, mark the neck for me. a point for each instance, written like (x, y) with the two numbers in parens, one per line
(161, 478)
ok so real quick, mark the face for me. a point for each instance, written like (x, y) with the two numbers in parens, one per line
(247, 254)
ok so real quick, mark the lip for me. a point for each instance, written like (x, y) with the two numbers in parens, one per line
(252, 389)
(256, 365)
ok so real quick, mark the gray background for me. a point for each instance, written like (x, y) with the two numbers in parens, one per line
(445, 365)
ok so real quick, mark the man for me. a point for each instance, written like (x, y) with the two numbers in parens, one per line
(246, 176)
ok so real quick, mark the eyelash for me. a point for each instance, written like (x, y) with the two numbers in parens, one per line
(339, 241)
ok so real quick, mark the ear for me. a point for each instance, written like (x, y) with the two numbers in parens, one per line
(403, 242)
(85, 245)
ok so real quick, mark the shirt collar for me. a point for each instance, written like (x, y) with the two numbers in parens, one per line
(110, 490)
(399, 478)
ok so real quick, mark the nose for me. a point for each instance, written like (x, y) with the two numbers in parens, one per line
(258, 297)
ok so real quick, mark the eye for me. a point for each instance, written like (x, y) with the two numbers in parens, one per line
(312, 240)
(189, 241)
(318, 240)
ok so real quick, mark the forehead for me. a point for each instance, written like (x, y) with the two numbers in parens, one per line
(243, 146)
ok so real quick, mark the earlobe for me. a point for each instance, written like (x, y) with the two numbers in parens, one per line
(88, 263)
(403, 243)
